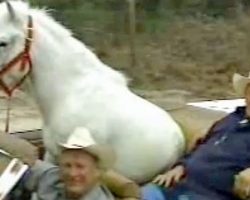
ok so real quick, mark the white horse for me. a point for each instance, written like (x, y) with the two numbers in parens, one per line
(74, 88)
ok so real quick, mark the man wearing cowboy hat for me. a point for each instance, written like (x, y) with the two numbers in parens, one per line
(85, 171)
(217, 169)
(81, 164)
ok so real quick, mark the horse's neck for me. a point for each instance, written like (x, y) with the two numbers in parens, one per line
(59, 65)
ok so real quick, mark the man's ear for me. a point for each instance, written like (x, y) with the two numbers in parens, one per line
(11, 11)
(13, 14)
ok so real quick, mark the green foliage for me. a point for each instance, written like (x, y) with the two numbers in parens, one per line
(104, 13)
(106, 21)
(98, 20)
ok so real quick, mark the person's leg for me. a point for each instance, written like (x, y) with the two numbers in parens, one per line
(155, 192)
(152, 192)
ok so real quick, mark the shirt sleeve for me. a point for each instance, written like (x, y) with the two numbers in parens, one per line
(43, 179)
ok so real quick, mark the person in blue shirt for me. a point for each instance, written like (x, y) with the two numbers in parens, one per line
(219, 168)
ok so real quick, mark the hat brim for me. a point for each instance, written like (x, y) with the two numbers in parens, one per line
(105, 155)
(239, 83)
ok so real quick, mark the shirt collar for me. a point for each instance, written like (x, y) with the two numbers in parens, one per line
(99, 192)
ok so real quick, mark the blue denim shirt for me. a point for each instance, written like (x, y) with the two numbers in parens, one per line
(211, 168)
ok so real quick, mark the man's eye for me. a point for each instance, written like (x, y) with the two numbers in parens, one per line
(80, 166)
(3, 44)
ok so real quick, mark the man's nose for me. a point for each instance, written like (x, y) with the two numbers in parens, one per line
(73, 172)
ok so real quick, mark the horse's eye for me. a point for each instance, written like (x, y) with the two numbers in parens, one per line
(3, 44)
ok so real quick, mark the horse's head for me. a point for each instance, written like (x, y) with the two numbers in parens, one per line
(15, 35)
(13, 29)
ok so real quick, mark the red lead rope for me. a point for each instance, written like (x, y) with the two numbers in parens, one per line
(25, 61)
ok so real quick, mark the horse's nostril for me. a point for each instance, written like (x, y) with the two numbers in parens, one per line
(3, 44)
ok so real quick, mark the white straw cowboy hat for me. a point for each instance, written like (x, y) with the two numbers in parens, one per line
(82, 139)
(240, 82)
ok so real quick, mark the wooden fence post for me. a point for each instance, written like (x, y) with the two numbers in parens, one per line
(132, 31)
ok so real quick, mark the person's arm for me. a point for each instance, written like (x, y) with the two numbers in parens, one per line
(170, 177)
(199, 142)
(174, 175)
(178, 171)
(241, 186)
(19, 148)
(43, 179)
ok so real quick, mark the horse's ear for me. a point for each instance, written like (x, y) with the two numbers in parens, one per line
(10, 10)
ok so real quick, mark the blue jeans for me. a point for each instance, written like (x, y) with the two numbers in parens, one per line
(154, 192)
(151, 192)
(180, 192)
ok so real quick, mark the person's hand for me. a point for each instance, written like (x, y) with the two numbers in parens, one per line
(170, 177)
(242, 184)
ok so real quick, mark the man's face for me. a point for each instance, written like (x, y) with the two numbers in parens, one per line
(79, 172)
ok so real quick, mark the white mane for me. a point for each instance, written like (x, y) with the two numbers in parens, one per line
(59, 35)
(56, 30)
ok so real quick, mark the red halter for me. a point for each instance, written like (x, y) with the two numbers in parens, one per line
(23, 58)
(25, 61)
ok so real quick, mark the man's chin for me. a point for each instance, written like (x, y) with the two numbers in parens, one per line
(76, 191)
